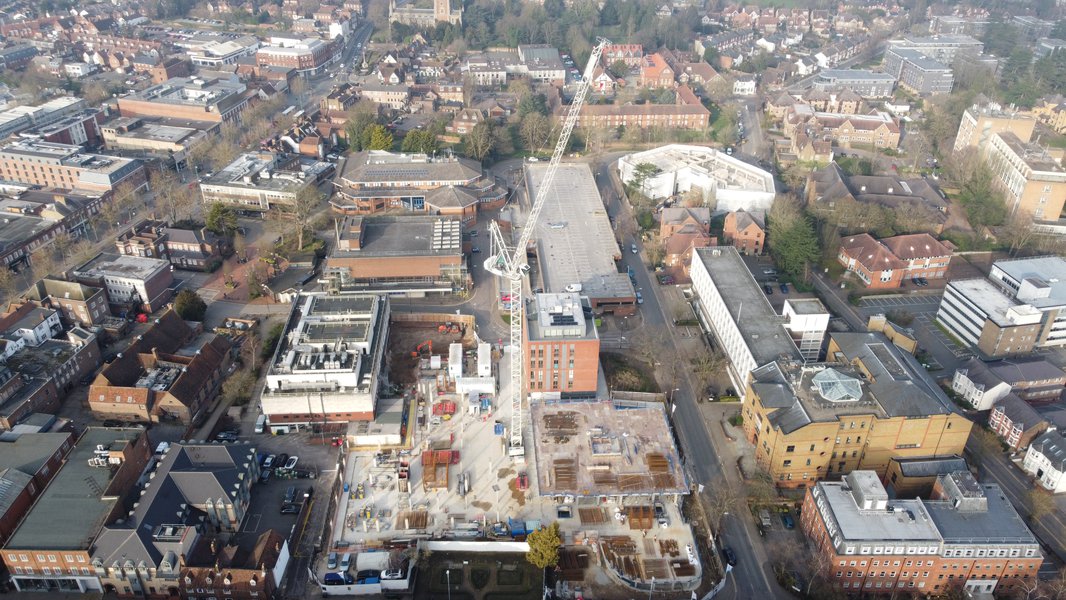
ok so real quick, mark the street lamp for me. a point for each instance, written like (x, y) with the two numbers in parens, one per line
(448, 574)
(652, 590)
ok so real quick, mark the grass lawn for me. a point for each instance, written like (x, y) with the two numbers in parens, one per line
(479, 577)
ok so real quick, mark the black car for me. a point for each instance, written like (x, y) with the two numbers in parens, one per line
(922, 282)
(729, 556)
(290, 509)
(88, 379)
(280, 460)
(769, 290)
(784, 288)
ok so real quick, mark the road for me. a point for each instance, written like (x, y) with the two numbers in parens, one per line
(755, 145)
(750, 579)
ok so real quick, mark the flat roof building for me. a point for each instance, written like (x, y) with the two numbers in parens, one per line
(562, 348)
(21, 118)
(1032, 181)
(941, 48)
(131, 281)
(866, 83)
(968, 533)
(66, 166)
(576, 248)
(732, 183)
(410, 253)
(262, 181)
(328, 365)
(189, 98)
(733, 306)
(982, 120)
(918, 73)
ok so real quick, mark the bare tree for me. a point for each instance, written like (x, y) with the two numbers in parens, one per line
(307, 201)
(721, 501)
(535, 130)
(1039, 503)
(8, 285)
(250, 349)
(706, 366)
(648, 343)
(44, 262)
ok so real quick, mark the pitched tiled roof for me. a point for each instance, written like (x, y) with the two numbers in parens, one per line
(871, 253)
(917, 245)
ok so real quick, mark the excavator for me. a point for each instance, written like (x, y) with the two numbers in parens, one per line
(426, 345)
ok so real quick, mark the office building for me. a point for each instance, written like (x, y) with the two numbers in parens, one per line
(410, 253)
(260, 182)
(733, 306)
(328, 365)
(967, 535)
(133, 283)
(562, 348)
(21, 118)
(1032, 181)
(66, 167)
(866, 83)
(309, 56)
(868, 403)
(1019, 307)
(189, 98)
(981, 121)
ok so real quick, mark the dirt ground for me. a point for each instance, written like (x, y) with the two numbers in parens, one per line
(404, 338)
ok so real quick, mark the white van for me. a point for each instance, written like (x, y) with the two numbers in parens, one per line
(573, 287)
(260, 424)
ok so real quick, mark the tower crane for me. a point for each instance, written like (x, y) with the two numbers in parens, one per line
(509, 264)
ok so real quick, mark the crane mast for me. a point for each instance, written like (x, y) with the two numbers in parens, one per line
(510, 264)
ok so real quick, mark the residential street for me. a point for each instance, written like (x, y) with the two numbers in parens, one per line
(708, 455)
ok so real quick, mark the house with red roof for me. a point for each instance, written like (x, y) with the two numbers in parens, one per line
(885, 264)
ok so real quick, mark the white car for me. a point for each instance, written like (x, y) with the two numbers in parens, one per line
(633, 249)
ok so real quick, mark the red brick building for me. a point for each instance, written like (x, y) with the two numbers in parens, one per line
(887, 263)
(562, 347)
(745, 231)
(967, 536)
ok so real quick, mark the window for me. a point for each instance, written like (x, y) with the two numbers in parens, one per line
(790, 449)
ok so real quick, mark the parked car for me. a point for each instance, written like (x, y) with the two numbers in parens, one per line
(786, 519)
(729, 556)
(290, 495)
(640, 298)
(633, 248)
(784, 288)
(475, 250)
(280, 460)
(769, 290)
(331, 560)
(290, 509)
(346, 561)
(291, 463)
(392, 574)
(269, 462)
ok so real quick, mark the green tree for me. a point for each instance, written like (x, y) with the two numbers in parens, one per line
(1000, 38)
(544, 547)
(221, 218)
(380, 138)
(641, 174)
(532, 103)
(419, 141)
(619, 69)
(190, 306)
(710, 56)
(793, 243)
(983, 206)
(1059, 31)
(358, 121)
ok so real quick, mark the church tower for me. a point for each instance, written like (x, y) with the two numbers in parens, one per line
(442, 11)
